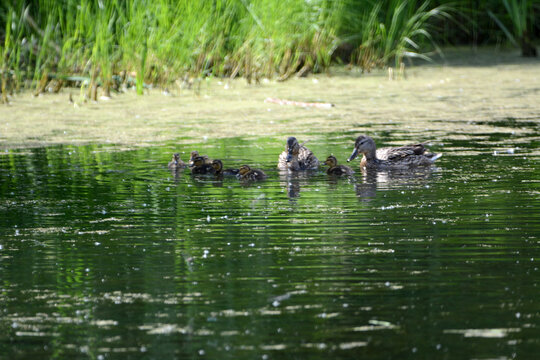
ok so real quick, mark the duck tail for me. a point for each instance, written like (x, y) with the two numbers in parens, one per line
(305, 142)
(434, 157)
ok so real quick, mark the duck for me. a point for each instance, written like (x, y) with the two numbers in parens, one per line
(408, 156)
(336, 169)
(247, 173)
(218, 167)
(297, 157)
(195, 154)
(200, 167)
(176, 163)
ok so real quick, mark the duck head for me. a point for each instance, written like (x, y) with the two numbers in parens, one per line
(293, 148)
(194, 154)
(198, 161)
(176, 158)
(217, 165)
(331, 161)
(244, 169)
(362, 145)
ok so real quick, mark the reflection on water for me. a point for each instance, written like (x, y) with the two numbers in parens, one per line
(107, 253)
(383, 179)
(293, 181)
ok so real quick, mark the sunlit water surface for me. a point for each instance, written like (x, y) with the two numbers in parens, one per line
(106, 254)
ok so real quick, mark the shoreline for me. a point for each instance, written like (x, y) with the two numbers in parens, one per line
(457, 97)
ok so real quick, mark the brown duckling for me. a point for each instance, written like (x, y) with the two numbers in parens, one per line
(247, 173)
(297, 157)
(200, 167)
(195, 154)
(218, 167)
(176, 163)
(336, 169)
(407, 156)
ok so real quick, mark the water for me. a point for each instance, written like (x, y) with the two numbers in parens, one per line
(105, 254)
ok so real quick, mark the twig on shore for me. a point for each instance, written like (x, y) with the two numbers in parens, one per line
(299, 103)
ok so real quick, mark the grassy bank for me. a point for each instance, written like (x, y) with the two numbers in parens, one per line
(91, 44)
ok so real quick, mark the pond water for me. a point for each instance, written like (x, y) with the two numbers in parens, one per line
(105, 254)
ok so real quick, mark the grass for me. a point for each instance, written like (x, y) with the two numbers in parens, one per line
(519, 13)
(107, 45)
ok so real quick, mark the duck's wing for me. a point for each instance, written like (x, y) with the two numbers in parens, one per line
(399, 153)
(346, 170)
(307, 159)
(260, 175)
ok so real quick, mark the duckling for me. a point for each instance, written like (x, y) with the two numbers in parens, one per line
(200, 167)
(176, 163)
(218, 167)
(247, 173)
(336, 169)
(195, 154)
(407, 156)
(297, 157)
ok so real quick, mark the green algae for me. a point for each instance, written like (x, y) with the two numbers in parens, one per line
(468, 94)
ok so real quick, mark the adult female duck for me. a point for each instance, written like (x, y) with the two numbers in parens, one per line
(297, 157)
(402, 157)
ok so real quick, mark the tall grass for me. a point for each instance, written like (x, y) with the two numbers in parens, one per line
(399, 31)
(518, 13)
(105, 45)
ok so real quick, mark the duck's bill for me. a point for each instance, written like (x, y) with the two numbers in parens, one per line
(353, 155)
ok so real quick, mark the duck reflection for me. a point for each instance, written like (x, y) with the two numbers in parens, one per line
(293, 181)
(373, 179)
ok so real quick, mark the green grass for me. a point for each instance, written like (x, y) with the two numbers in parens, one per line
(95, 44)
